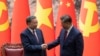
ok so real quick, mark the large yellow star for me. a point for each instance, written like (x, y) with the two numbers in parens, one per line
(42, 15)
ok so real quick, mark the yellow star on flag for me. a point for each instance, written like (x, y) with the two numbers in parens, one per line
(61, 2)
(42, 15)
(68, 4)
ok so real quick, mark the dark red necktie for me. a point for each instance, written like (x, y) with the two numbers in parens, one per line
(65, 35)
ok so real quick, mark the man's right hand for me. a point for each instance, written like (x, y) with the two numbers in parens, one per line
(44, 46)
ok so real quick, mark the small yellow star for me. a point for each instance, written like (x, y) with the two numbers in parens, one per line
(68, 4)
(42, 15)
(61, 2)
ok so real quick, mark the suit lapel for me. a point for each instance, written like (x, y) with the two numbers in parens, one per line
(29, 33)
(31, 36)
(62, 37)
(69, 37)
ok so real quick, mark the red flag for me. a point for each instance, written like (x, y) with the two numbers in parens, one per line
(44, 15)
(20, 12)
(89, 26)
(66, 7)
(4, 24)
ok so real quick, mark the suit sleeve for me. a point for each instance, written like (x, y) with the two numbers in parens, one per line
(25, 42)
(79, 45)
(54, 43)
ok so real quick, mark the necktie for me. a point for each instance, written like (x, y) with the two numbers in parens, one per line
(65, 35)
(34, 33)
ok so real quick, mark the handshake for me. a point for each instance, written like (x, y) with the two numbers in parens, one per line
(44, 46)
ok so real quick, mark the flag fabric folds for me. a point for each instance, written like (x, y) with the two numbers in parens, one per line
(89, 26)
(20, 13)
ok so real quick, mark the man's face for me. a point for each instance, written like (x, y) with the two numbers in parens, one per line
(66, 25)
(33, 24)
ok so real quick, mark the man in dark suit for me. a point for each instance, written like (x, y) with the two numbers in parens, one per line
(70, 39)
(32, 39)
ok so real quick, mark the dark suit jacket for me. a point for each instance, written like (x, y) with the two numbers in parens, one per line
(72, 46)
(30, 44)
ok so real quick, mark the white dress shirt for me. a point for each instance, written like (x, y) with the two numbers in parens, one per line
(68, 31)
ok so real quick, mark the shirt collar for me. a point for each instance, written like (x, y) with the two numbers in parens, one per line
(32, 30)
(70, 28)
